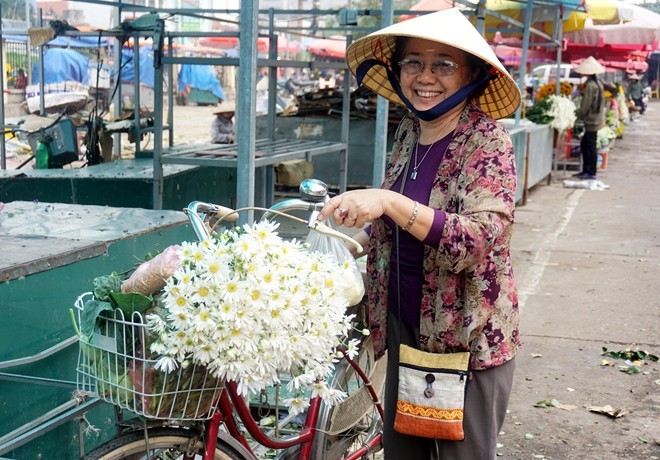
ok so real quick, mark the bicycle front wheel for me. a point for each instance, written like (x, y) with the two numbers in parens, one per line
(343, 429)
(163, 444)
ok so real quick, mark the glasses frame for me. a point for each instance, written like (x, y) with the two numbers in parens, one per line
(454, 67)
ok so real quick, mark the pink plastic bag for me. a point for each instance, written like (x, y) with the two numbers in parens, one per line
(150, 276)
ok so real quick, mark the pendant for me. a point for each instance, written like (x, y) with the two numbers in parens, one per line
(413, 176)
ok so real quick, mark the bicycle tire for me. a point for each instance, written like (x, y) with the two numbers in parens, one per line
(164, 443)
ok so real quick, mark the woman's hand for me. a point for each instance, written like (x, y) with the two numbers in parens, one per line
(358, 207)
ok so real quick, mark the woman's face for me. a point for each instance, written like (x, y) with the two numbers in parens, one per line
(427, 88)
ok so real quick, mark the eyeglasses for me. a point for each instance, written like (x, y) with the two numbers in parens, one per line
(442, 68)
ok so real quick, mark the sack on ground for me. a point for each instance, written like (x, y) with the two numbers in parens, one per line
(431, 394)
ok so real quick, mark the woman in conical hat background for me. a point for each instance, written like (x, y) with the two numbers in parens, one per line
(222, 126)
(438, 231)
(592, 114)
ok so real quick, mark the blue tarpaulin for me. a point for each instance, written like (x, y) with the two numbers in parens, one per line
(146, 65)
(62, 65)
(65, 42)
(201, 77)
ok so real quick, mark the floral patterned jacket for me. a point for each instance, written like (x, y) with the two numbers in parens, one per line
(469, 299)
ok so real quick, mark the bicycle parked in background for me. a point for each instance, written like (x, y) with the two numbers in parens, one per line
(203, 418)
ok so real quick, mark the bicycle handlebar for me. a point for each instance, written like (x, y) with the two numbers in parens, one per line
(314, 195)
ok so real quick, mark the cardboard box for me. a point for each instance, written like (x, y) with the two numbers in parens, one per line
(292, 173)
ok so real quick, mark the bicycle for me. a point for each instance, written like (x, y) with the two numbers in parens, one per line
(226, 428)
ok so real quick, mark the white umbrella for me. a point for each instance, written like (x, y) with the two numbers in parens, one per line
(643, 28)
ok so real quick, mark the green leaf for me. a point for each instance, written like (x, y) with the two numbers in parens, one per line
(91, 311)
(104, 285)
(633, 355)
(130, 302)
(547, 403)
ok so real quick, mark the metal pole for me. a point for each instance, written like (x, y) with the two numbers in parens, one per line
(117, 102)
(268, 173)
(3, 146)
(159, 36)
(382, 114)
(246, 107)
(559, 30)
(523, 58)
(170, 93)
(42, 96)
(345, 124)
(136, 96)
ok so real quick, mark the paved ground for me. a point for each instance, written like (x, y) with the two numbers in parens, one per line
(587, 264)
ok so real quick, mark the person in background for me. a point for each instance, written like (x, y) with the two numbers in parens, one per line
(636, 92)
(21, 80)
(222, 127)
(439, 275)
(592, 113)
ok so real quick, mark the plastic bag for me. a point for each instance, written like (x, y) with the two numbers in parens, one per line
(353, 282)
(150, 276)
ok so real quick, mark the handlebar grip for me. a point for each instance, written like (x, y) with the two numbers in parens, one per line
(225, 213)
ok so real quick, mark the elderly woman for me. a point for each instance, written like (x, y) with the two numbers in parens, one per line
(438, 231)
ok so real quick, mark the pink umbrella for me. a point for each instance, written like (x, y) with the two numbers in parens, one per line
(290, 46)
(629, 65)
(427, 5)
(334, 47)
(511, 55)
(229, 43)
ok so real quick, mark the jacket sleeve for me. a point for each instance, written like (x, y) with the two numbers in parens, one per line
(590, 93)
(484, 200)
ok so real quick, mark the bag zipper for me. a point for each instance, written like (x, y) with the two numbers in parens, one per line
(436, 370)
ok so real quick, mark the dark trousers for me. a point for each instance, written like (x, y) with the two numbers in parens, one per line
(485, 408)
(589, 150)
(640, 104)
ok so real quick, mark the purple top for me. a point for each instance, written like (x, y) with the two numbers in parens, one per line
(412, 250)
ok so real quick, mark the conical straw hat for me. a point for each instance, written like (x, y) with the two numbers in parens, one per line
(224, 107)
(501, 97)
(590, 66)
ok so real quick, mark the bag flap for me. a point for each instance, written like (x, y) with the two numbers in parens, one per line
(414, 357)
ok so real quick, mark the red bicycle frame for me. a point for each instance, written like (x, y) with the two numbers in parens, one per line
(230, 400)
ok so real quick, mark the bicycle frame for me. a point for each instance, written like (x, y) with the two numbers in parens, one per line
(314, 194)
(230, 400)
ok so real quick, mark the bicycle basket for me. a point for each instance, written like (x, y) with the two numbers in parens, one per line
(117, 365)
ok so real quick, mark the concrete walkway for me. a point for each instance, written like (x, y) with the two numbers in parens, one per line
(587, 264)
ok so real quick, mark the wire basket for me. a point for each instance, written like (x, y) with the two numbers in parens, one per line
(117, 365)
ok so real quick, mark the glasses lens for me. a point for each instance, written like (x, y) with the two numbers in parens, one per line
(411, 66)
(444, 67)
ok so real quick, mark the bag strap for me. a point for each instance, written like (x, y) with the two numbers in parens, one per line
(398, 252)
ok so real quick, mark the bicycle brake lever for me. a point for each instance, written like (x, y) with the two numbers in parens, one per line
(322, 228)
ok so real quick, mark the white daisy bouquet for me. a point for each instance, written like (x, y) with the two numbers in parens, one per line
(562, 111)
(245, 306)
(252, 307)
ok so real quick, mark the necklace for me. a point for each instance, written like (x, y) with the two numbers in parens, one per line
(416, 165)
